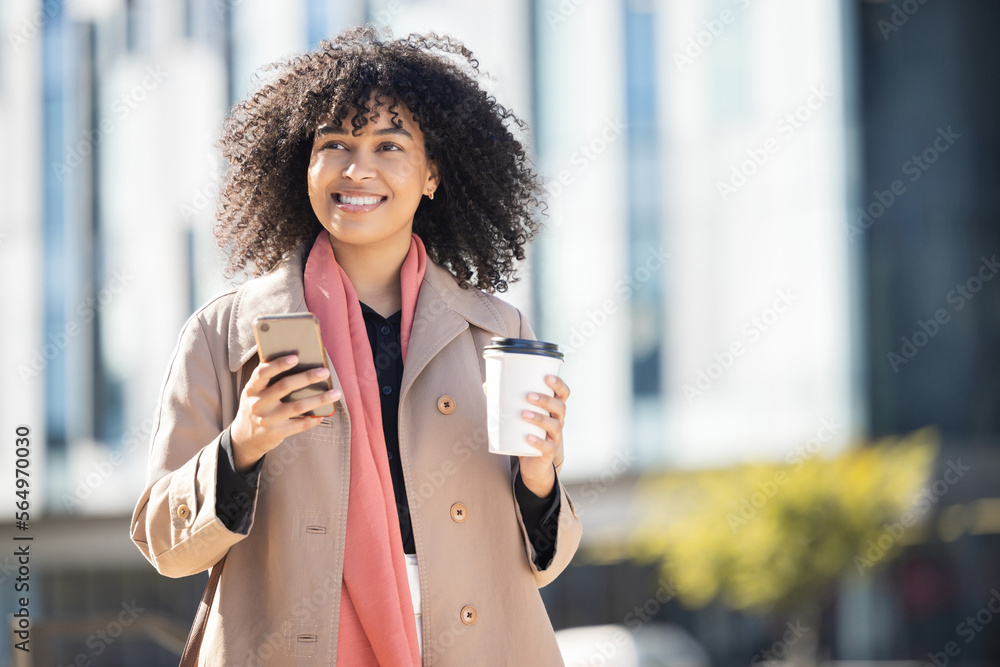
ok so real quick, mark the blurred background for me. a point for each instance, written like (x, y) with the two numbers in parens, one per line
(769, 257)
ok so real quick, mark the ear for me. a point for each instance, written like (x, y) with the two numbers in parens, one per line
(434, 179)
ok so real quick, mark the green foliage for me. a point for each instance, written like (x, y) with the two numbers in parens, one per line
(762, 536)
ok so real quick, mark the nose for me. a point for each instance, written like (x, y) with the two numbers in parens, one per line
(359, 167)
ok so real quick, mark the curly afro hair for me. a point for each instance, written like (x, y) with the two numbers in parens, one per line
(483, 213)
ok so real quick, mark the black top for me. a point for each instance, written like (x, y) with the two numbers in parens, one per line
(539, 514)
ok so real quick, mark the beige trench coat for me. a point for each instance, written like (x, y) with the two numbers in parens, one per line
(278, 597)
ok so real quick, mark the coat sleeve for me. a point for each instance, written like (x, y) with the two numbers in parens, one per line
(175, 524)
(567, 528)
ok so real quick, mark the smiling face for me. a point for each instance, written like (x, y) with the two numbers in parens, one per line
(365, 189)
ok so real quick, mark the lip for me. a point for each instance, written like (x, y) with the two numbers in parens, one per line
(354, 208)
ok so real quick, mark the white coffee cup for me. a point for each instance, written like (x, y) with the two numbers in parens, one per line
(514, 367)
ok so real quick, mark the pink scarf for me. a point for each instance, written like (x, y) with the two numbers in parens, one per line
(376, 612)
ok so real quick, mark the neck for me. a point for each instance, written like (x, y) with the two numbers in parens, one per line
(374, 271)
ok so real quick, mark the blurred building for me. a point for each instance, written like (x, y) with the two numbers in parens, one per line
(112, 108)
(728, 262)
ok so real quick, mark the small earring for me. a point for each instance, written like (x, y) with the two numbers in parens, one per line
(430, 194)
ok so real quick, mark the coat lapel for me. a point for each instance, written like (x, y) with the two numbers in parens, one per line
(443, 311)
(277, 291)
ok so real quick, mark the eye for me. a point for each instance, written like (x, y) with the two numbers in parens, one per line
(331, 144)
(390, 147)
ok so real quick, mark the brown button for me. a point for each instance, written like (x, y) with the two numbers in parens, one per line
(183, 511)
(446, 404)
(459, 513)
(469, 615)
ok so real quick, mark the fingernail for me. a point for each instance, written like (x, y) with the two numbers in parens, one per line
(333, 393)
(550, 378)
(320, 373)
(291, 360)
(532, 396)
(528, 413)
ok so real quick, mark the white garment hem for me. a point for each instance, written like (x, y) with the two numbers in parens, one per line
(413, 574)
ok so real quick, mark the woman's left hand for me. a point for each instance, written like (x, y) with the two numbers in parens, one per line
(537, 472)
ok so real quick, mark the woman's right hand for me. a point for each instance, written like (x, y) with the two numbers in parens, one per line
(263, 420)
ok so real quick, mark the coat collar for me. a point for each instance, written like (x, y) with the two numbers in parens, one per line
(443, 310)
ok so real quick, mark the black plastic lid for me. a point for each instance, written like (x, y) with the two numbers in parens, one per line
(524, 346)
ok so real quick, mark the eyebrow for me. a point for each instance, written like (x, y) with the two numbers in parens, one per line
(329, 129)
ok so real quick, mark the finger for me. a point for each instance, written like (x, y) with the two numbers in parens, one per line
(301, 406)
(287, 385)
(553, 427)
(558, 385)
(548, 448)
(267, 370)
(554, 406)
(288, 427)
(306, 423)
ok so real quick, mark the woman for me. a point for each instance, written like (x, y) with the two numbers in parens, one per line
(376, 185)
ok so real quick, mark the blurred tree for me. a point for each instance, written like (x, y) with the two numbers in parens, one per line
(775, 538)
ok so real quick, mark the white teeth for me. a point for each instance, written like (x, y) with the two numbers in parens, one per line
(358, 201)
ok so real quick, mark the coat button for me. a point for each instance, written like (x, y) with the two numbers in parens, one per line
(183, 511)
(469, 615)
(446, 404)
(459, 513)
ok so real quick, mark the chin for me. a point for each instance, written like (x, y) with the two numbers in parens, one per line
(354, 233)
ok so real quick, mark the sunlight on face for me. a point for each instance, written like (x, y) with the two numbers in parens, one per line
(365, 189)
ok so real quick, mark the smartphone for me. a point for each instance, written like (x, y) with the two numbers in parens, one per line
(295, 333)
